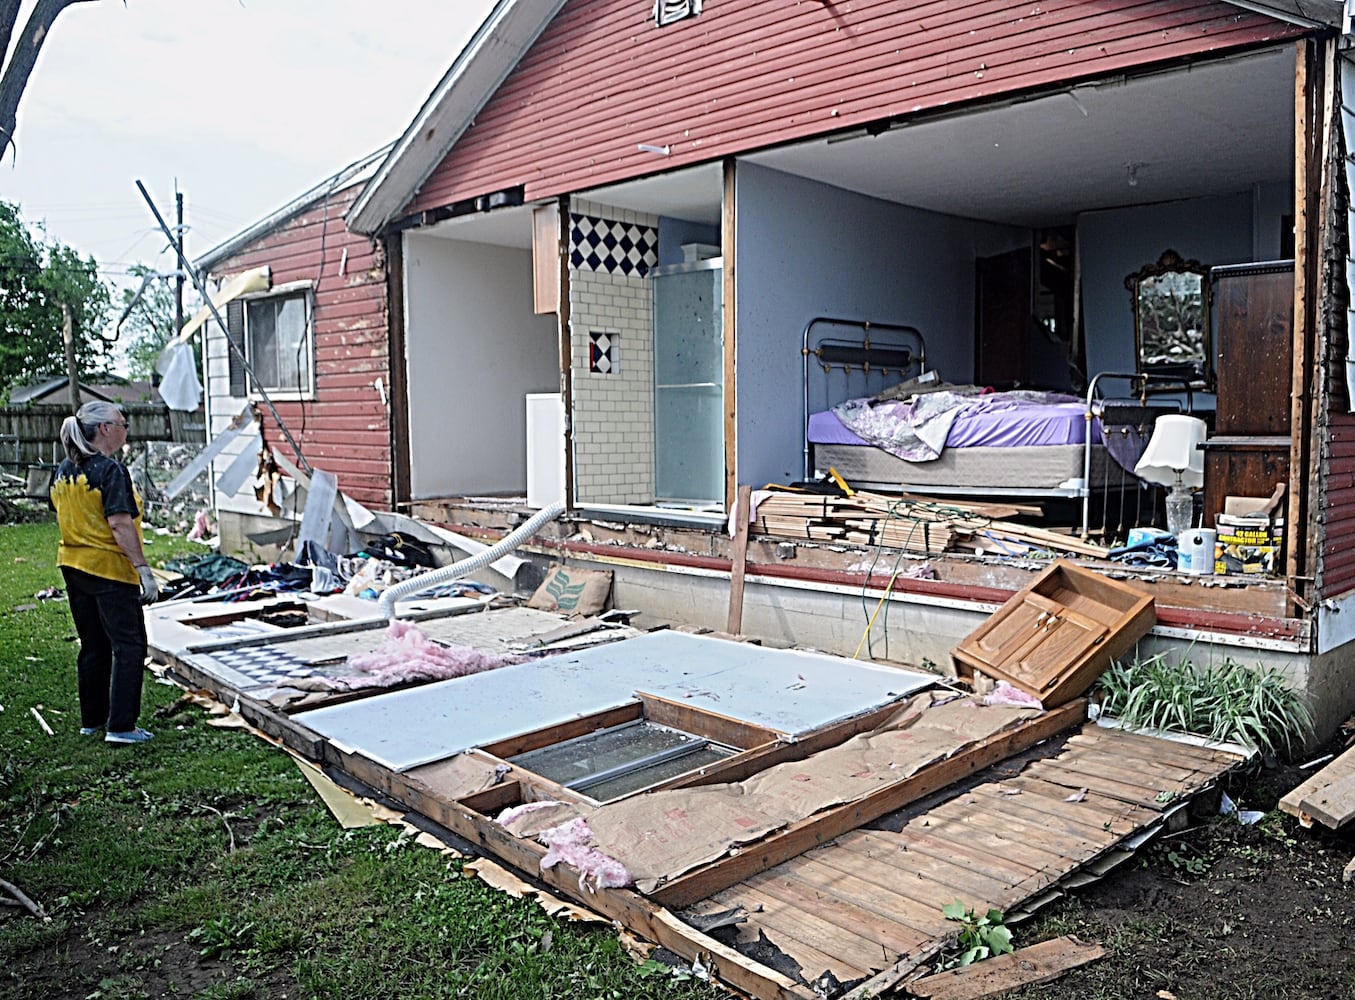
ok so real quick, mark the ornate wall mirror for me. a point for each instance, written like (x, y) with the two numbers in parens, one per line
(1171, 320)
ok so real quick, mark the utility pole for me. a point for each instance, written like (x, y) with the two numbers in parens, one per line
(72, 372)
(178, 282)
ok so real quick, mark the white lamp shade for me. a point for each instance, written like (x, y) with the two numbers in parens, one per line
(1174, 448)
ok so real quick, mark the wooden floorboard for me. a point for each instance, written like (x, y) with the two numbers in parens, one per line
(800, 934)
(997, 845)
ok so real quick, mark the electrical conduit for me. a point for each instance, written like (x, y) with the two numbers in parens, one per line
(445, 574)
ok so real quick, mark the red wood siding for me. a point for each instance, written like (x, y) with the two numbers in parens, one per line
(747, 74)
(1336, 568)
(346, 429)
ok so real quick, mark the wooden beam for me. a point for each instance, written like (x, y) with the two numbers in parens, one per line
(813, 831)
(1039, 963)
(728, 232)
(632, 911)
(722, 729)
(566, 352)
(1312, 81)
(739, 558)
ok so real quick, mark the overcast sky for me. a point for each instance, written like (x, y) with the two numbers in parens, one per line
(239, 104)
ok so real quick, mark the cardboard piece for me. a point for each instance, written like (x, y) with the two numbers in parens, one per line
(665, 833)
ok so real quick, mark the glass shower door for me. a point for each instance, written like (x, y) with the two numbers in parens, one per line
(689, 451)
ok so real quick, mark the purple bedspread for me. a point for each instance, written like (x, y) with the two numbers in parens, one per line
(982, 425)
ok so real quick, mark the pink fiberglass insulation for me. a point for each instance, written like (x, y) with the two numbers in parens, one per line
(406, 654)
(514, 813)
(1006, 694)
(572, 843)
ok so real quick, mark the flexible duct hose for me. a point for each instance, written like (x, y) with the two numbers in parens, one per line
(445, 574)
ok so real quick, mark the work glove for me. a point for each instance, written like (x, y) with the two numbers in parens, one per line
(150, 588)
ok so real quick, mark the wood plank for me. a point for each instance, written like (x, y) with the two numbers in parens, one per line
(1073, 819)
(1105, 762)
(1071, 776)
(1138, 746)
(998, 819)
(1017, 871)
(959, 829)
(1038, 963)
(959, 879)
(1140, 773)
(854, 956)
(740, 560)
(875, 923)
(722, 729)
(928, 895)
(1334, 806)
(808, 833)
(1330, 791)
(857, 883)
(1123, 817)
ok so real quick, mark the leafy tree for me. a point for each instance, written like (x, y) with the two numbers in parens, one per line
(35, 279)
(17, 70)
(148, 320)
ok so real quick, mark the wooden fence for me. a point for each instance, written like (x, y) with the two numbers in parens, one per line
(29, 435)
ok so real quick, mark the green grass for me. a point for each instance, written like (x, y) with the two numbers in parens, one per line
(129, 850)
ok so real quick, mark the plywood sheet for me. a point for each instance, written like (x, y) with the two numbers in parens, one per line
(785, 690)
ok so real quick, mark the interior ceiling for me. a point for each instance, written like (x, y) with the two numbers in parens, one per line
(1209, 129)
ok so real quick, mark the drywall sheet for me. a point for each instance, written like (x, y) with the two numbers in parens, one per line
(787, 690)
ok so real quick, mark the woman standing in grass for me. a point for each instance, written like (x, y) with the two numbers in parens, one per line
(107, 578)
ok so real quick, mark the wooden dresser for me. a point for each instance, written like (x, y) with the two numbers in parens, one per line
(1248, 451)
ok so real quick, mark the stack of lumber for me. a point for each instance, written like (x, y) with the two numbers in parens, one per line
(1327, 797)
(911, 523)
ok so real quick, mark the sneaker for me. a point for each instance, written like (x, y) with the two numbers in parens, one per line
(91, 730)
(134, 736)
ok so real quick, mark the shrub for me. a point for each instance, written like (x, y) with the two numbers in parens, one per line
(1225, 702)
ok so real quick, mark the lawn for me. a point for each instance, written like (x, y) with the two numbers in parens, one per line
(203, 864)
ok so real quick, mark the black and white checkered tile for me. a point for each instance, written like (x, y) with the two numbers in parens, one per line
(265, 665)
(604, 353)
(614, 247)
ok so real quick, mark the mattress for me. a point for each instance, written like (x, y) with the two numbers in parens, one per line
(1031, 425)
(977, 470)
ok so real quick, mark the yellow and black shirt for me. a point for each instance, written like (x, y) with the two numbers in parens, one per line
(84, 496)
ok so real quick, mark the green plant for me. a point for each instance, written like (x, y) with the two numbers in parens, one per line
(1226, 701)
(980, 936)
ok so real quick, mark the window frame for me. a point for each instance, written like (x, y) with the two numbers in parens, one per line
(305, 292)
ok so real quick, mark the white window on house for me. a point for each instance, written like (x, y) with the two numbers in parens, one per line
(275, 332)
(668, 11)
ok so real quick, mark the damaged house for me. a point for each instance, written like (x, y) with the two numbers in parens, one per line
(977, 264)
(630, 257)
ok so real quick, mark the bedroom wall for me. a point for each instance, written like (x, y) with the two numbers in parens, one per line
(807, 249)
(1116, 243)
(474, 351)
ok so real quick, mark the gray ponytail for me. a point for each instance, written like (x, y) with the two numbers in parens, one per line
(78, 432)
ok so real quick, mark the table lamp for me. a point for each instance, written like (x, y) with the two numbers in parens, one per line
(1173, 458)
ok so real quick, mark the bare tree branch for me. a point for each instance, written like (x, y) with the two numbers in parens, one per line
(23, 58)
(9, 14)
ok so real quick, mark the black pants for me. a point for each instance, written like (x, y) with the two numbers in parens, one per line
(112, 633)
